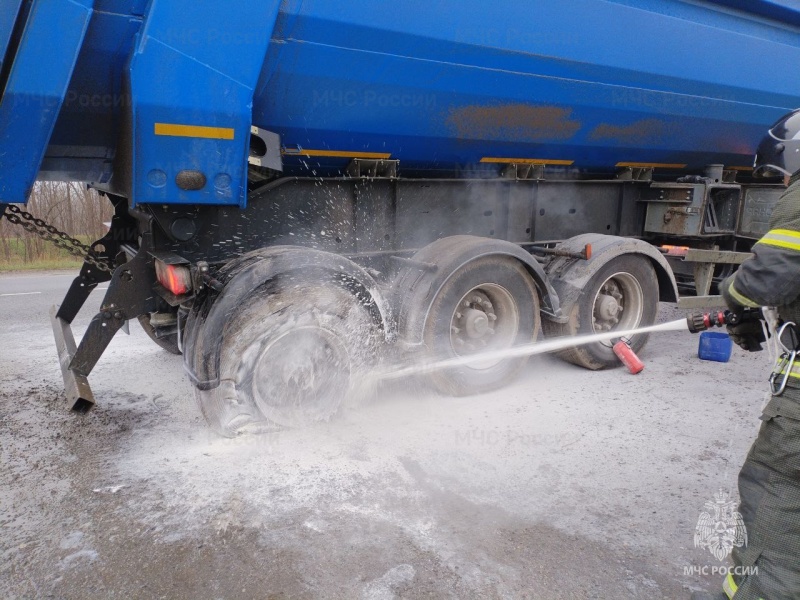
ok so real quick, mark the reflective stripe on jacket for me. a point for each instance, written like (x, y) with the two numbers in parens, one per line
(772, 276)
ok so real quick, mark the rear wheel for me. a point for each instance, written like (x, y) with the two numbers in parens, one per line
(622, 295)
(290, 357)
(489, 305)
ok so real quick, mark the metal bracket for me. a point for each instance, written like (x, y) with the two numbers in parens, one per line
(129, 295)
(79, 291)
(265, 149)
(523, 171)
(373, 169)
(635, 174)
(703, 278)
(704, 263)
(79, 394)
(672, 211)
(729, 176)
(123, 230)
(98, 336)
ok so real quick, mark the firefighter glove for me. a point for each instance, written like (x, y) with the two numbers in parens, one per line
(747, 335)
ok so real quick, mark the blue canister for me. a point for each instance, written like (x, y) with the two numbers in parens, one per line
(715, 345)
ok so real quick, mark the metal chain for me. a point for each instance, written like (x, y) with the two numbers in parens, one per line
(60, 239)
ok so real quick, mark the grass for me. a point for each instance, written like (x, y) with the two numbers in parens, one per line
(14, 258)
(40, 265)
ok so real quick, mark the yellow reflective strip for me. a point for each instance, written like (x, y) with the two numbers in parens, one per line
(641, 165)
(338, 153)
(793, 375)
(779, 244)
(729, 586)
(784, 232)
(196, 131)
(782, 238)
(738, 168)
(527, 161)
(743, 300)
(793, 372)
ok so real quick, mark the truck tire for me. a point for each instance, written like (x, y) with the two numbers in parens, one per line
(489, 304)
(623, 294)
(167, 342)
(289, 357)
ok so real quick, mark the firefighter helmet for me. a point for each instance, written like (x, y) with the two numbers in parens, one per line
(779, 151)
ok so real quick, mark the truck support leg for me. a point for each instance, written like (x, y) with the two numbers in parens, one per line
(98, 336)
(123, 230)
(79, 291)
(130, 294)
(76, 386)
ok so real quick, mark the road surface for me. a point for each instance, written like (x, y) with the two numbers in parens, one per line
(566, 484)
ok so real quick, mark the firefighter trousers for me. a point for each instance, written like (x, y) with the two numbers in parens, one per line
(768, 567)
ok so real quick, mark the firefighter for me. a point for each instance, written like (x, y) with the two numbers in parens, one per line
(768, 567)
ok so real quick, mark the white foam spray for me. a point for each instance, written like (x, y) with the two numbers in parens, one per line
(529, 349)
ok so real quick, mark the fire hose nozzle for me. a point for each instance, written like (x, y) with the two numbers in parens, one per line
(697, 323)
(704, 321)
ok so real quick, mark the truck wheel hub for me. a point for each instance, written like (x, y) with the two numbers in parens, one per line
(485, 319)
(619, 303)
(305, 370)
(477, 323)
(608, 307)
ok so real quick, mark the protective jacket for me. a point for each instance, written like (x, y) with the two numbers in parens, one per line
(768, 566)
(772, 276)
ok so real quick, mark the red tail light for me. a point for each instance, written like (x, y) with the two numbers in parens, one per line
(176, 278)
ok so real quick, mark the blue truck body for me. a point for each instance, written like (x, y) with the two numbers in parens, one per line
(589, 84)
(522, 159)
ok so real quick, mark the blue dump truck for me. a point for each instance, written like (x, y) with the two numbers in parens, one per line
(303, 186)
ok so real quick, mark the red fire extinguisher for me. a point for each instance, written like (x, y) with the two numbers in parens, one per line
(628, 357)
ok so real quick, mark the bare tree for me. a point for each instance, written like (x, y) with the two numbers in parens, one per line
(70, 207)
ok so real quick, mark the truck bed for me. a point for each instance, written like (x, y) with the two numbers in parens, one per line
(584, 85)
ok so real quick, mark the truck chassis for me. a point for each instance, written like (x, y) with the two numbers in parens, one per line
(585, 256)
